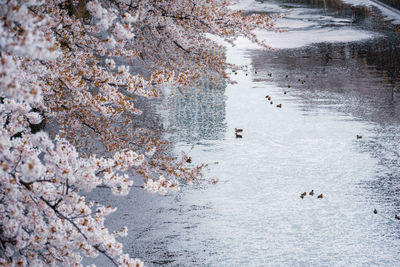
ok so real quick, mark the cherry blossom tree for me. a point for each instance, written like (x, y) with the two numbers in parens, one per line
(67, 113)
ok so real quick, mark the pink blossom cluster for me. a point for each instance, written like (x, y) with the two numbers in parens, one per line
(67, 109)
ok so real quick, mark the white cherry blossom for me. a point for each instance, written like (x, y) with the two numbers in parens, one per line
(67, 113)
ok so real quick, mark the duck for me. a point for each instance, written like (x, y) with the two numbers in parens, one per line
(359, 136)
(267, 96)
(284, 92)
(279, 106)
(237, 130)
(288, 86)
(214, 181)
(270, 74)
(271, 102)
(238, 135)
(375, 211)
(189, 160)
(327, 57)
(311, 193)
(287, 75)
(299, 80)
(397, 217)
(320, 196)
(303, 195)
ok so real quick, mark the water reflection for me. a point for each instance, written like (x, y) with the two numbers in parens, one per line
(199, 113)
(393, 3)
(359, 72)
(338, 5)
(364, 15)
(359, 79)
(254, 215)
(362, 78)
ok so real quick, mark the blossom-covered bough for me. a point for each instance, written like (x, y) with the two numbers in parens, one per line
(67, 112)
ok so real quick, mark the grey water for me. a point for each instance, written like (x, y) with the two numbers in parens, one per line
(339, 66)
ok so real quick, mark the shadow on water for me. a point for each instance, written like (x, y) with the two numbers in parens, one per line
(358, 79)
(392, 3)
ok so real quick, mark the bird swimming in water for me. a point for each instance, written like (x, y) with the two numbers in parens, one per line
(320, 196)
(237, 130)
(311, 193)
(279, 106)
(359, 136)
(303, 195)
(327, 57)
(375, 211)
(238, 135)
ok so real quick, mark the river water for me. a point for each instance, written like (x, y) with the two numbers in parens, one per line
(339, 65)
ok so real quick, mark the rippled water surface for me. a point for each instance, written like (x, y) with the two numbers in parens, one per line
(337, 89)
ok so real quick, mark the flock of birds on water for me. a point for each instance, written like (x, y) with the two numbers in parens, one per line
(239, 131)
(311, 194)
